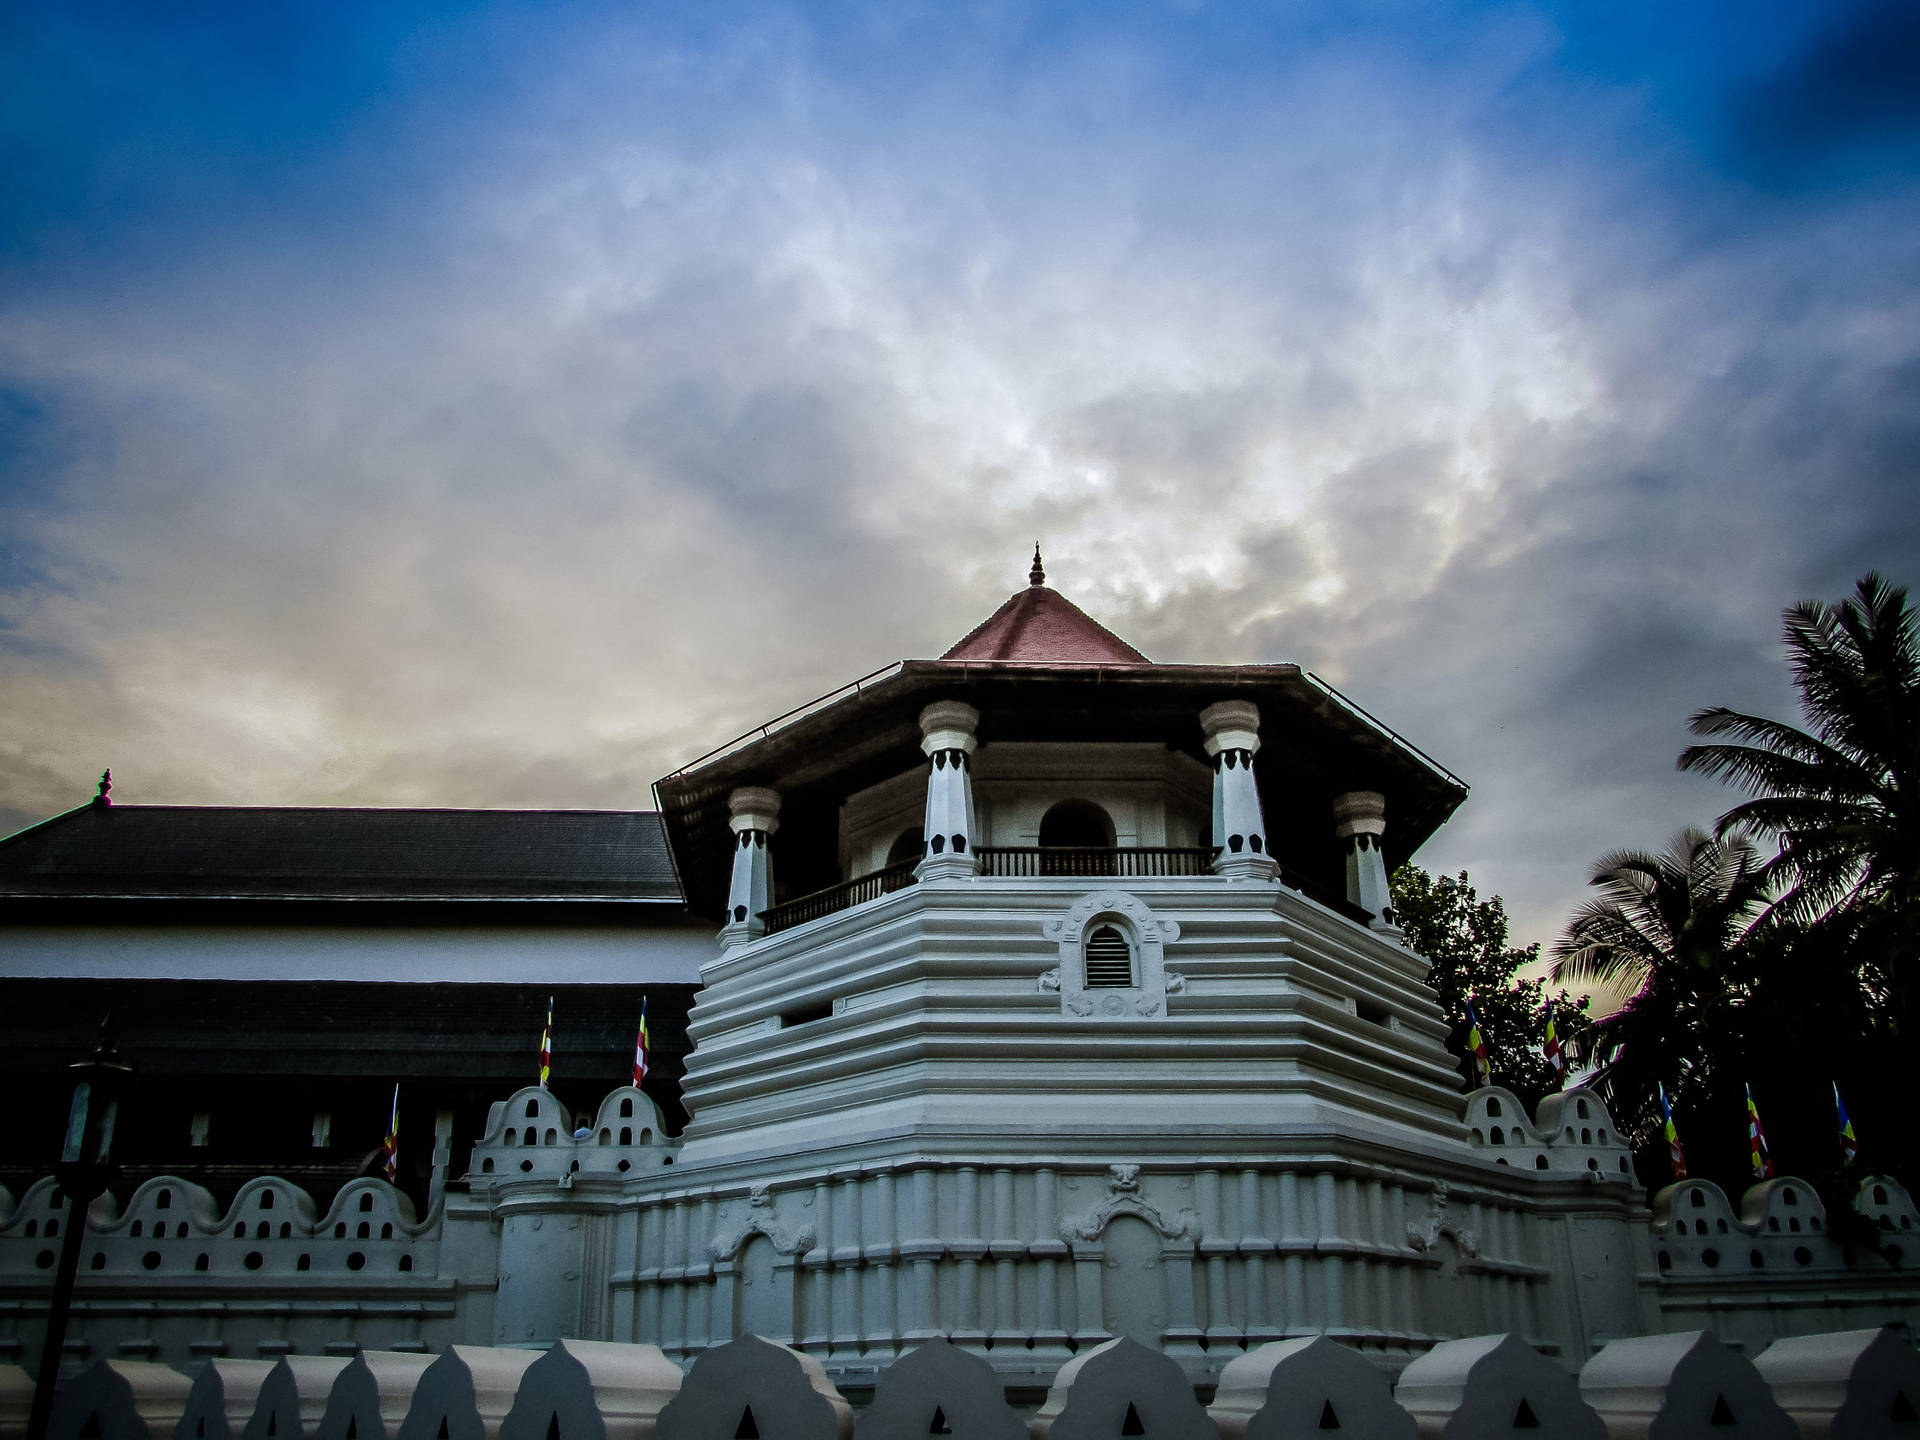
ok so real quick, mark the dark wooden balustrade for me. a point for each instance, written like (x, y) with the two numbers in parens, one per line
(1019, 861)
(843, 896)
(1127, 861)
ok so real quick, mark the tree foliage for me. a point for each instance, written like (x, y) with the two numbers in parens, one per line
(1791, 972)
(1465, 939)
(1841, 798)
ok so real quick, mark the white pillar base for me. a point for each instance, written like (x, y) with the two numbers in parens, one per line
(1245, 867)
(947, 866)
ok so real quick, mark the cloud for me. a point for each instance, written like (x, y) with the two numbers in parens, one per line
(605, 389)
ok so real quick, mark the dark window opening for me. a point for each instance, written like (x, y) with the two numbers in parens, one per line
(908, 845)
(1075, 825)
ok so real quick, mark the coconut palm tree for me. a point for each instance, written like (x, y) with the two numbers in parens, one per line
(1843, 798)
(1681, 914)
(1679, 933)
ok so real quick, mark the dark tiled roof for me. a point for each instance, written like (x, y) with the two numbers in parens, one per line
(194, 852)
(1039, 626)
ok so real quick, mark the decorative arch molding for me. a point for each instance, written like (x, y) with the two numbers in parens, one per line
(1147, 933)
(1123, 1197)
(788, 1237)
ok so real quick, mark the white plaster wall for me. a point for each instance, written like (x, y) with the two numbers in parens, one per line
(472, 954)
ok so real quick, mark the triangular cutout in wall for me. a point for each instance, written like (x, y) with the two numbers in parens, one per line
(939, 1426)
(1131, 1425)
(1902, 1411)
(273, 1423)
(90, 1427)
(1722, 1412)
(353, 1427)
(1523, 1416)
(1328, 1420)
(553, 1426)
(443, 1429)
(746, 1429)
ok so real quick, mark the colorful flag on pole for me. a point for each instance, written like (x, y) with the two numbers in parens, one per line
(390, 1147)
(1757, 1141)
(1676, 1156)
(546, 1046)
(1849, 1146)
(1477, 1047)
(1550, 1047)
(642, 1045)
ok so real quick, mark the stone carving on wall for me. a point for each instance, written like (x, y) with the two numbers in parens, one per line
(788, 1237)
(1147, 935)
(1124, 1198)
(1426, 1235)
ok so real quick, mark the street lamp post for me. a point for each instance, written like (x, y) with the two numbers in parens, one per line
(82, 1173)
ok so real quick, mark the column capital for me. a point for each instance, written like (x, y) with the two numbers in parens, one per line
(1231, 725)
(948, 725)
(1359, 812)
(754, 807)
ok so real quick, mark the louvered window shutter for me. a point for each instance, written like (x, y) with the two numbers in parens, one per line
(1109, 960)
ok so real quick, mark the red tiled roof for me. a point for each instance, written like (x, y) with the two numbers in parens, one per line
(1040, 626)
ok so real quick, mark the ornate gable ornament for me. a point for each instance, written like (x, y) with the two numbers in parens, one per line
(788, 1237)
(1124, 1198)
(1147, 936)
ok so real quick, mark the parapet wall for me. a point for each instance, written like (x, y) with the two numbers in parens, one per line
(1679, 1387)
(1032, 1259)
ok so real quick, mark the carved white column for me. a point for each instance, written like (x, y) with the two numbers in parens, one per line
(755, 816)
(946, 737)
(1233, 738)
(1359, 820)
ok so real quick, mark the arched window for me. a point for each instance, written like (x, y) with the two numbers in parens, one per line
(909, 845)
(1083, 832)
(1109, 959)
(626, 1108)
(1493, 1107)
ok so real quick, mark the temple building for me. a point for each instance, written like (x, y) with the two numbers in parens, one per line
(1028, 996)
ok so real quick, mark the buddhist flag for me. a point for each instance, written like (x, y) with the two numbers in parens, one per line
(641, 1045)
(390, 1147)
(1849, 1146)
(1550, 1047)
(1676, 1156)
(546, 1046)
(1477, 1047)
(1757, 1141)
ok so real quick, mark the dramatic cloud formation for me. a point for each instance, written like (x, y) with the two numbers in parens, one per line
(502, 406)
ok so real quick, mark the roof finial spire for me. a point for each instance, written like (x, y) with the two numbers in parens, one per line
(102, 797)
(1037, 575)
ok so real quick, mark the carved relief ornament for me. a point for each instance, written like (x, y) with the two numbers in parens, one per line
(788, 1237)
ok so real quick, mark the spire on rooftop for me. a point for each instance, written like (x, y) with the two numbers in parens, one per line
(1040, 626)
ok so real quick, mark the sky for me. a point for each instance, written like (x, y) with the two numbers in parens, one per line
(501, 404)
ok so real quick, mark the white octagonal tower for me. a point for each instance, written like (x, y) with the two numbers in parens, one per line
(1074, 1014)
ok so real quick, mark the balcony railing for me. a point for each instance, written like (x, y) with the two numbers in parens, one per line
(843, 896)
(1123, 860)
(1016, 861)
